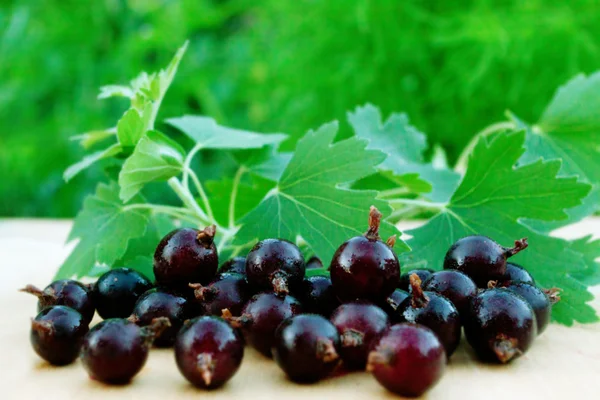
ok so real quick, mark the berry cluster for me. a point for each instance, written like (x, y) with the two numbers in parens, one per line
(366, 316)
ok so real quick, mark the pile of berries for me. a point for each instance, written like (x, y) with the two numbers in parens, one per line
(365, 316)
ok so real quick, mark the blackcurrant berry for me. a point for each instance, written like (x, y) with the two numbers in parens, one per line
(359, 324)
(408, 360)
(481, 258)
(156, 303)
(261, 316)
(228, 290)
(235, 265)
(314, 263)
(500, 325)
(117, 291)
(538, 299)
(115, 350)
(364, 267)
(516, 273)
(57, 333)
(65, 292)
(307, 348)
(186, 256)
(275, 264)
(455, 286)
(390, 305)
(317, 295)
(208, 351)
(423, 274)
(434, 311)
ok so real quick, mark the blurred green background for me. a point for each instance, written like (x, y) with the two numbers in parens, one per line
(272, 65)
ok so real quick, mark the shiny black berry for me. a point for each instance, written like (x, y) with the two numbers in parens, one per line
(157, 303)
(235, 265)
(359, 324)
(307, 348)
(275, 264)
(423, 274)
(314, 263)
(186, 256)
(455, 286)
(434, 311)
(408, 360)
(115, 350)
(500, 325)
(56, 334)
(481, 258)
(390, 305)
(364, 267)
(516, 273)
(117, 291)
(317, 295)
(228, 290)
(65, 292)
(540, 301)
(208, 351)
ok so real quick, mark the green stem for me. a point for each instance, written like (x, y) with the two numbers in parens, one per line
(461, 164)
(394, 192)
(202, 193)
(188, 161)
(234, 192)
(404, 213)
(419, 203)
(186, 197)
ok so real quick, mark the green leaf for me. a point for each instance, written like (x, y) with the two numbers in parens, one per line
(404, 146)
(90, 159)
(104, 228)
(130, 128)
(115, 91)
(209, 135)
(491, 199)
(308, 201)
(155, 158)
(89, 139)
(590, 249)
(265, 162)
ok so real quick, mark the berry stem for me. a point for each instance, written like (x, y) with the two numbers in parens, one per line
(380, 356)
(418, 297)
(374, 223)
(326, 350)
(519, 245)
(236, 322)
(505, 348)
(207, 235)
(352, 338)
(206, 366)
(279, 282)
(32, 290)
(156, 327)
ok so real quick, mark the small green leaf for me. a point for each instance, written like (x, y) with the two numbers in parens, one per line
(130, 128)
(155, 158)
(90, 159)
(89, 139)
(115, 91)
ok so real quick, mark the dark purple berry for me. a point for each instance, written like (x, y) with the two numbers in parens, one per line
(434, 311)
(314, 263)
(540, 301)
(307, 348)
(481, 258)
(390, 305)
(115, 350)
(186, 256)
(65, 292)
(156, 303)
(423, 274)
(453, 285)
(235, 265)
(57, 333)
(359, 324)
(408, 360)
(228, 290)
(117, 291)
(208, 351)
(317, 295)
(516, 273)
(275, 264)
(261, 316)
(364, 267)
(500, 325)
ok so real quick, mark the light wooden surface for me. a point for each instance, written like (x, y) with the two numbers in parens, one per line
(564, 363)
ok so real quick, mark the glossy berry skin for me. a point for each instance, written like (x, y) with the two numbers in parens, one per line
(262, 315)
(453, 285)
(186, 256)
(481, 258)
(65, 292)
(433, 311)
(408, 360)
(516, 273)
(423, 274)
(317, 295)
(537, 299)
(307, 348)
(359, 324)
(208, 351)
(364, 267)
(390, 305)
(236, 265)
(117, 291)
(314, 263)
(115, 350)
(156, 303)
(500, 325)
(275, 264)
(56, 334)
(228, 290)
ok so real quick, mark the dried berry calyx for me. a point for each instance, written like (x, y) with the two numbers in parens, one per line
(374, 223)
(202, 292)
(418, 298)
(155, 329)
(206, 236)
(505, 348)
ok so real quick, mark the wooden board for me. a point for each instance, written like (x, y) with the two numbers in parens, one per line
(564, 363)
